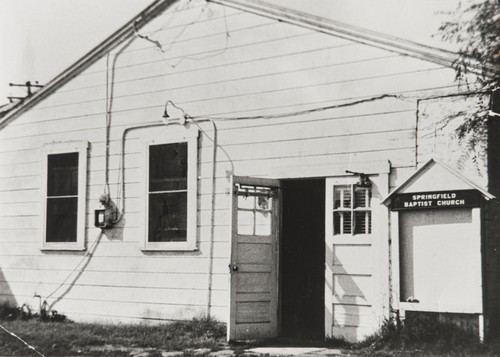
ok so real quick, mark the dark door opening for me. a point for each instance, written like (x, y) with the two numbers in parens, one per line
(303, 259)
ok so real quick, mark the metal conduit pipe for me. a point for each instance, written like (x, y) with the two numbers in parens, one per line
(213, 193)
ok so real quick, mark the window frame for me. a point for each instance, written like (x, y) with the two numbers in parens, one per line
(352, 237)
(80, 147)
(175, 135)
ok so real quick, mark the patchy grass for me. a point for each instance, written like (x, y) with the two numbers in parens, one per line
(422, 337)
(56, 338)
(197, 337)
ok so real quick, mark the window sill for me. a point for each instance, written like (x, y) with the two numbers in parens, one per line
(358, 239)
(440, 307)
(63, 247)
(170, 247)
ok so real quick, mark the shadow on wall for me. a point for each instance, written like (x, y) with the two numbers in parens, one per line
(6, 295)
(72, 277)
(348, 301)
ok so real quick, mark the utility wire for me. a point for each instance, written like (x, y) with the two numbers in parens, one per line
(152, 107)
(155, 42)
(23, 341)
(300, 86)
(89, 253)
(301, 112)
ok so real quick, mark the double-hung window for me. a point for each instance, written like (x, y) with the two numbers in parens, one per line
(64, 187)
(349, 208)
(171, 187)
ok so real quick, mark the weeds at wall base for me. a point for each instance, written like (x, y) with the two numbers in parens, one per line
(25, 312)
(424, 334)
(70, 338)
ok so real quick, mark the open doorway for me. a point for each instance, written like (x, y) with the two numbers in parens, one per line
(303, 259)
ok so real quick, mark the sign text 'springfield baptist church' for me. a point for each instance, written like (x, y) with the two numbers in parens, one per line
(436, 199)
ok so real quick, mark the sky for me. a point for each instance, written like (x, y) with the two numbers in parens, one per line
(41, 38)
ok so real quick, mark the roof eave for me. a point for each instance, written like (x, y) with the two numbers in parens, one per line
(488, 196)
(346, 31)
(111, 42)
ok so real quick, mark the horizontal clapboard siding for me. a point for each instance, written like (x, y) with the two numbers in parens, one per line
(263, 67)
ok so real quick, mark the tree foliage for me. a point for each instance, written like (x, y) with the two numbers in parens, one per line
(475, 28)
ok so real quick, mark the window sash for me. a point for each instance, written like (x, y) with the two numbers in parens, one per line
(166, 237)
(62, 219)
(346, 212)
(63, 213)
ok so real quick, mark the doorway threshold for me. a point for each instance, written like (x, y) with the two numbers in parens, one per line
(293, 351)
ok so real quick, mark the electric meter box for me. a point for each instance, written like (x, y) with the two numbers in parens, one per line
(104, 217)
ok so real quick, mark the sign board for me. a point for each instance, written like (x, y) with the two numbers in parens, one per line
(435, 199)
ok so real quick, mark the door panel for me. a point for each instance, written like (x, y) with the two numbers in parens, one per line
(254, 259)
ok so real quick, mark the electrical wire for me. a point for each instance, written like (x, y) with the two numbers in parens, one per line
(110, 85)
(300, 86)
(405, 94)
(184, 28)
(208, 55)
(87, 254)
(122, 159)
(346, 31)
(159, 46)
(212, 213)
(155, 42)
(23, 341)
(108, 125)
(303, 112)
(327, 48)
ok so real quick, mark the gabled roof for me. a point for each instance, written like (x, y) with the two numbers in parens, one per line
(342, 30)
(6, 108)
(461, 179)
(123, 33)
(259, 7)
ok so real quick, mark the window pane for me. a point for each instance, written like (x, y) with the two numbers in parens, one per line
(262, 223)
(362, 222)
(336, 223)
(342, 223)
(62, 219)
(168, 167)
(168, 217)
(62, 174)
(246, 202)
(246, 222)
(347, 224)
(264, 203)
(342, 197)
(347, 198)
(362, 197)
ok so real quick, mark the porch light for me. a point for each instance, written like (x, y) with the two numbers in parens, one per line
(176, 114)
(364, 181)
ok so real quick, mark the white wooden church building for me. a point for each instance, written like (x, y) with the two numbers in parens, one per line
(284, 173)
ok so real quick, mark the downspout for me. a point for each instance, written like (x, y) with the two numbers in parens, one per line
(212, 222)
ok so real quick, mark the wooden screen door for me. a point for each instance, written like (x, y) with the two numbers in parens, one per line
(254, 259)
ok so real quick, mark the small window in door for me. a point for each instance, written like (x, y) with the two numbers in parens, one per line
(254, 210)
(351, 210)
